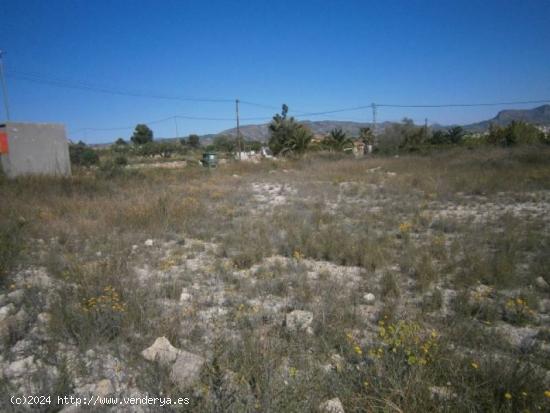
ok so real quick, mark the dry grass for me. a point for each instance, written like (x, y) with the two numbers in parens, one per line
(252, 242)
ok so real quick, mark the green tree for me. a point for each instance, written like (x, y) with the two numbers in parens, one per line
(455, 134)
(412, 136)
(438, 137)
(120, 142)
(287, 135)
(194, 141)
(517, 132)
(164, 149)
(147, 149)
(142, 135)
(253, 146)
(224, 143)
(338, 140)
(366, 135)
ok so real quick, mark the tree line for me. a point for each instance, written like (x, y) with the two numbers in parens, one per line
(287, 137)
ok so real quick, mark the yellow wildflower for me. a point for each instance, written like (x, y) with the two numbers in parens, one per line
(405, 227)
(297, 255)
(358, 350)
(507, 396)
(475, 365)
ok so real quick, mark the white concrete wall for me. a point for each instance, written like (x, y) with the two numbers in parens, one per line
(36, 149)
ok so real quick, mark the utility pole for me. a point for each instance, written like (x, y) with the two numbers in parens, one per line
(176, 122)
(373, 118)
(425, 128)
(238, 128)
(4, 88)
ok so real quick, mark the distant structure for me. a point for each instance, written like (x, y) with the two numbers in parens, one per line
(255, 156)
(359, 148)
(34, 149)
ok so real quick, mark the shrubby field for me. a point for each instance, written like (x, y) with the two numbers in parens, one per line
(410, 283)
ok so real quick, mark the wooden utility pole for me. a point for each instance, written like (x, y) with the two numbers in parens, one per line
(4, 88)
(176, 122)
(238, 128)
(373, 118)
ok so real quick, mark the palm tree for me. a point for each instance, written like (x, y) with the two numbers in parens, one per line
(287, 135)
(338, 140)
(367, 136)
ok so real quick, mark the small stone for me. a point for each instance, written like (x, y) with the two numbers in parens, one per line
(186, 370)
(332, 406)
(298, 320)
(149, 243)
(162, 351)
(369, 312)
(44, 318)
(542, 283)
(34, 277)
(185, 296)
(369, 298)
(21, 347)
(16, 296)
(6, 311)
(98, 254)
(483, 290)
(20, 367)
(103, 388)
(134, 247)
(544, 306)
(441, 393)
(21, 317)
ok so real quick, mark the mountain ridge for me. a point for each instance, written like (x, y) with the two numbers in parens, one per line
(539, 115)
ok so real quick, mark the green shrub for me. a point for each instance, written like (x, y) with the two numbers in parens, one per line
(82, 155)
(515, 133)
(120, 160)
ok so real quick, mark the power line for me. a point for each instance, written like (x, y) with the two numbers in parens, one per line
(461, 105)
(63, 83)
(174, 117)
(67, 84)
(328, 112)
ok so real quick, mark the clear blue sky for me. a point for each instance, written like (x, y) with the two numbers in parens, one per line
(312, 55)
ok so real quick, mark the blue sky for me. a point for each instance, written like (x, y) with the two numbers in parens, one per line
(312, 55)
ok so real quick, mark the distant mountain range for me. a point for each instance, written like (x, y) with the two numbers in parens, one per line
(537, 116)
(321, 127)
